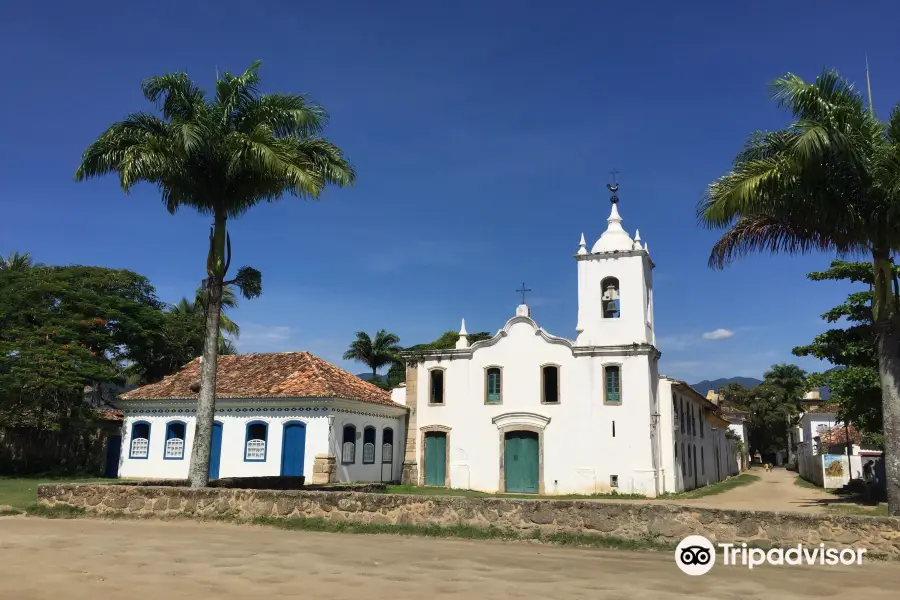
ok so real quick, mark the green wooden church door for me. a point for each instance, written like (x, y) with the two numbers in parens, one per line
(435, 458)
(521, 462)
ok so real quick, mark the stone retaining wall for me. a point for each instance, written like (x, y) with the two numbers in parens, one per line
(636, 520)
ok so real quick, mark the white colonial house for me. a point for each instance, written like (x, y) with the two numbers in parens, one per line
(530, 412)
(288, 413)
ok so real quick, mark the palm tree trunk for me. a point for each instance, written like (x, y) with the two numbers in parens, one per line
(889, 371)
(206, 404)
(884, 309)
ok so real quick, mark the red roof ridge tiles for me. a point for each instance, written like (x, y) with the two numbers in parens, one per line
(297, 374)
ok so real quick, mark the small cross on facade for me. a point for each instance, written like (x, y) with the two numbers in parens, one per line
(522, 291)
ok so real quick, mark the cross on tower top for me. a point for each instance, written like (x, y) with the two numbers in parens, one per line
(614, 186)
(522, 291)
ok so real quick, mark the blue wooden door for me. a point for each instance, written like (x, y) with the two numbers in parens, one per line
(113, 450)
(521, 462)
(215, 451)
(293, 449)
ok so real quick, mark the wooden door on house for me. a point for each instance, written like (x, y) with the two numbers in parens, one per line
(215, 450)
(293, 449)
(520, 462)
(435, 458)
(113, 452)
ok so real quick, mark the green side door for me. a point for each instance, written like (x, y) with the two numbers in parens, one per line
(435, 458)
(521, 462)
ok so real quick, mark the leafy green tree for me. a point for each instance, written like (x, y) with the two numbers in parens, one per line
(376, 353)
(221, 156)
(827, 182)
(62, 328)
(790, 384)
(854, 383)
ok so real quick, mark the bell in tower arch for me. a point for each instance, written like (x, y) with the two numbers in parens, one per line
(610, 298)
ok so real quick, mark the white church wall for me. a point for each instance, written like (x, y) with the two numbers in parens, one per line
(580, 452)
(234, 431)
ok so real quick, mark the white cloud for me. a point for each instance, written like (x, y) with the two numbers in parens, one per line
(718, 334)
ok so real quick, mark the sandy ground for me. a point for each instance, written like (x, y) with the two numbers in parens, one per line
(775, 491)
(149, 560)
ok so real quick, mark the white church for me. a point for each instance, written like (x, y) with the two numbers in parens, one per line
(524, 412)
(532, 413)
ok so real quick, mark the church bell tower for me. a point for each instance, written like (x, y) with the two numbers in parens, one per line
(615, 287)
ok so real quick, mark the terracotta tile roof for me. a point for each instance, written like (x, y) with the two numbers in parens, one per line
(276, 375)
(837, 435)
(111, 414)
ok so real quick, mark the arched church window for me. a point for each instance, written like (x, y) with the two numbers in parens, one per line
(436, 382)
(368, 445)
(610, 299)
(550, 384)
(348, 448)
(492, 383)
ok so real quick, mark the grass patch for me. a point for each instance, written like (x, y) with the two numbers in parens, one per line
(466, 532)
(413, 490)
(716, 488)
(20, 492)
(60, 511)
(881, 510)
(800, 482)
(10, 512)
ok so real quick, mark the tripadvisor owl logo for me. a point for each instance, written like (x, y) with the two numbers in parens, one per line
(695, 555)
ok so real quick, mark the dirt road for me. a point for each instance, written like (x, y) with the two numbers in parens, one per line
(775, 491)
(92, 559)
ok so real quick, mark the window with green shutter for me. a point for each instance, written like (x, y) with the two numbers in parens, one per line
(613, 385)
(493, 385)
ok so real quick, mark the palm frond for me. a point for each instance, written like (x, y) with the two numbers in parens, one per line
(775, 235)
(181, 97)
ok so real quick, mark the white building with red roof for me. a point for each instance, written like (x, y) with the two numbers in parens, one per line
(287, 413)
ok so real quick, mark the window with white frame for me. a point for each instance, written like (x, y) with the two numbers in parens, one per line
(387, 445)
(368, 445)
(255, 444)
(140, 440)
(348, 448)
(175, 433)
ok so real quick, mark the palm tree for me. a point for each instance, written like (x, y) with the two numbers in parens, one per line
(221, 156)
(383, 350)
(197, 308)
(830, 181)
(17, 262)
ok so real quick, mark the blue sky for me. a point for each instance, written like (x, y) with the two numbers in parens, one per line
(482, 132)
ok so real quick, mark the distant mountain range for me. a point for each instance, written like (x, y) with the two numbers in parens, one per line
(368, 376)
(706, 385)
